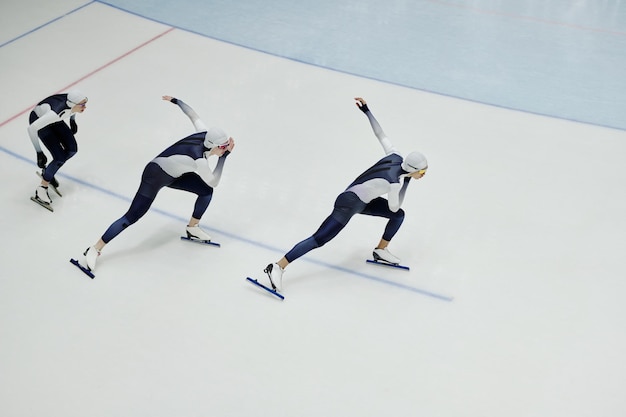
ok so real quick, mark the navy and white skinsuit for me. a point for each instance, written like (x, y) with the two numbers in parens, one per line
(363, 196)
(183, 166)
(47, 123)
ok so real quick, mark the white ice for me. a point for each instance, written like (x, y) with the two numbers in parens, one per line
(515, 237)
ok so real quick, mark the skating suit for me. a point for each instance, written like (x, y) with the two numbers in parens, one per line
(182, 166)
(47, 123)
(364, 196)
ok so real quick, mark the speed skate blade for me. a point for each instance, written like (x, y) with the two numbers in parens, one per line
(82, 268)
(47, 206)
(398, 266)
(268, 289)
(203, 242)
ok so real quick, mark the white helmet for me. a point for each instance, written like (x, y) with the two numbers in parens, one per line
(74, 97)
(215, 137)
(414, 162)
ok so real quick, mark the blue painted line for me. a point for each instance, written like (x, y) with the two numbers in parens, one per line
(241, 238)
(46, 24)
(15, 155)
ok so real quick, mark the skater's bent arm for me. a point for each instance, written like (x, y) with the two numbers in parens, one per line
(403, 190)
(217, 172)
(211, 177)
(396, 194)
(394, 199)
(44, 120)
(193, 116)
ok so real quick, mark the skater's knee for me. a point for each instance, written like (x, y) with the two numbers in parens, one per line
(58, 163)
(115, 229)
(318, 240)
(125, 221)
(129, 218)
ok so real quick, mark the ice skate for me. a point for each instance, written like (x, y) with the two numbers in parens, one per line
(41, 194)
(194, 232)
(42, 203)
(42, 198)
(383, 255)
(53, 183)
(275, 274)
(91, 256)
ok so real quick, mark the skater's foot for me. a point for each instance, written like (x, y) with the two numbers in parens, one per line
(194, 232)
(275, 274)
(41, 193)
(91, 256)
(385, 256)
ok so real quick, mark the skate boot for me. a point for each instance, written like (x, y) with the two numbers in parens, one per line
(383, 255)
(275, 274)
(194, 232)
(41, 194)
(91, 256)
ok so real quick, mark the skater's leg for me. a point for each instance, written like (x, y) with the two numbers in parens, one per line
(194, 184)
(346, 206)
(60, 141)
(138, 208)
(380, 207)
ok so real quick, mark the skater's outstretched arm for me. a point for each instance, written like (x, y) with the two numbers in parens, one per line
(378, 131)
(193, 116)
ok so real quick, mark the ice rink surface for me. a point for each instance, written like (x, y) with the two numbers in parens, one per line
(513, 305)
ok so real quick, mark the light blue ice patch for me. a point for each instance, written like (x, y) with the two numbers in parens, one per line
(560, 58)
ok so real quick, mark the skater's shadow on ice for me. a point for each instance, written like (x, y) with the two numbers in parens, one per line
(150, 244)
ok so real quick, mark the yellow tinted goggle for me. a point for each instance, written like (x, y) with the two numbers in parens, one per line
(83, 103)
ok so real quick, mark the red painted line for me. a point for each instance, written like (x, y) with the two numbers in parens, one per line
(108, 64)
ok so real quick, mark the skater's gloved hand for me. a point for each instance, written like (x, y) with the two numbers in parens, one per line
(41, 160)
(73, 125)
(361, 104)
(170, 99)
